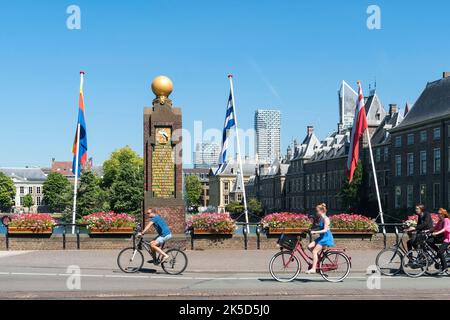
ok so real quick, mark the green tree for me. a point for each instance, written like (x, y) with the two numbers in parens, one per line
(351, 193)
(7, 192)
(235, 207)
(111, 167)
(254, 206)
(57, 192)
(28, 201)
(192, 191)
(91, 198)
(126, 193)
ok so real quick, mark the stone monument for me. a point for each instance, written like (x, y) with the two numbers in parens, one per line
(163, 168)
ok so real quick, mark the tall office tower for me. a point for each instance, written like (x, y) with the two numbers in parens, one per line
(268, 135)
(206, 155)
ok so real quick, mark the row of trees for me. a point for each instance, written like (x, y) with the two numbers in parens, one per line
(120, 188)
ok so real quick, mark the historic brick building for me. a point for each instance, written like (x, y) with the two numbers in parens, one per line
(203, 176)
(420, 151)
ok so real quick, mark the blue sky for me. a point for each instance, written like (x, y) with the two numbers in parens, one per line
(288, 55)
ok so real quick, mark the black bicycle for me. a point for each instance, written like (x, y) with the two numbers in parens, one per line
(424, 259)
(131, 260)
(389, 260)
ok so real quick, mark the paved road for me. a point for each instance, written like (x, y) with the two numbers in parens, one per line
(211, 274)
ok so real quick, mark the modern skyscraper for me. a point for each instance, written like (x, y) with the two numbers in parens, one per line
(268, 135)
(206, 155)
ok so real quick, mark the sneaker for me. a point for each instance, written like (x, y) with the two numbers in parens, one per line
(443, 273)
(310, 271)
(165, 259)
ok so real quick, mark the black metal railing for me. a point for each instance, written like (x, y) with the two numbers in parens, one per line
(395, 227)
(64, 227)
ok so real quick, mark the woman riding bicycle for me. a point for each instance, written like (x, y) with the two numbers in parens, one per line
(442, 229)
(324, 240)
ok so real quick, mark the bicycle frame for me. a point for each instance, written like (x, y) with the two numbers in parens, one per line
(146, 245)
(309, 259)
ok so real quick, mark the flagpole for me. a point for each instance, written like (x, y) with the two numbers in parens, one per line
(75, 188)
(239, 155)
(380, 207)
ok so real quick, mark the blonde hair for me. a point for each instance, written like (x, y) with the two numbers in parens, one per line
(322, 207)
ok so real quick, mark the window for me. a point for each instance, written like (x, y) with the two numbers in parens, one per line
(437, 133)
(30, 190)
(378, 155)
(410, 139)
(21, 201)
(38, 190)
(239, 197)
(398, 142)
(398, 197)
(398, 165)
(386, 153)
(423, 162)
(227, 199)
(423, 136)
(313, 182)
(423, 194)
(22, 190)
(437, 160)
(410, 165)
(410, 196)
(226, 186)
(308, 185)
(38, 201)
(436, 195)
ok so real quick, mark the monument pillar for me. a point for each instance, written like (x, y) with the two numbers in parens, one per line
(163, 168)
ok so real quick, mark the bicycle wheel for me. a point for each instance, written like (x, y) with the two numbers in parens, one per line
(284, 266)
(389, 262)
(177, 263)
(434, 265)
(334, 266)
(415, 263)
(130, 260)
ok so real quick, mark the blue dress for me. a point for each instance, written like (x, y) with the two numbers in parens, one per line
(326, 239)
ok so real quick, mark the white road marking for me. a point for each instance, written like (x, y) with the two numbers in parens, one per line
(162, 277)
(7, 254)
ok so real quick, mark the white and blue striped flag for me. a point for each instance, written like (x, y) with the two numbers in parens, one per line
(230, 122)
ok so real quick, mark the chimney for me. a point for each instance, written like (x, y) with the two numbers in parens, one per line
(446, 74)
(340, 128)
(393, 109)
(310, 130)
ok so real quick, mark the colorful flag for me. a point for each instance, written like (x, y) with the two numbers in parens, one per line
(230, 122)
(359, 126)
(80, 146)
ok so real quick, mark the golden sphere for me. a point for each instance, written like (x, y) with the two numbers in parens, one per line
(162, 86)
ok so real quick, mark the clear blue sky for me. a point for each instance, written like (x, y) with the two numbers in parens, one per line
(289, 55)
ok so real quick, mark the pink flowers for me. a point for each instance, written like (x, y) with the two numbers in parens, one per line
(353, 222)
(287, 220)
(33, 221)
(347, 222)
(108, 220)
(412, 220)
(216, 222)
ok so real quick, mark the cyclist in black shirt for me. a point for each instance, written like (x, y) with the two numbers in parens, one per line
(424, 223)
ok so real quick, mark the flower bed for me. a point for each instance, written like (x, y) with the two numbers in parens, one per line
(212, 223)
(352, 223)
(287, 222)
(109, 223)
(31, 223)
(412, 220)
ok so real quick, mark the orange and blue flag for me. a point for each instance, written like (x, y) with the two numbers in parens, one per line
(80, 146)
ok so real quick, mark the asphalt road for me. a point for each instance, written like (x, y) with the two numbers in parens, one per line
(210, 275)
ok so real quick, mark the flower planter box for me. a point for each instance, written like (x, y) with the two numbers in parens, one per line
(29, 231)
(280, 231)
(111, 231)
(211, 232)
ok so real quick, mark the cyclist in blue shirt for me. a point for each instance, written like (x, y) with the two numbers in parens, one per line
(163, 230)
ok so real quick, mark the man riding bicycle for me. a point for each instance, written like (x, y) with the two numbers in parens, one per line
(163, 230)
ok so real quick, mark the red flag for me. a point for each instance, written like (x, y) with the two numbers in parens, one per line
(359, 126)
